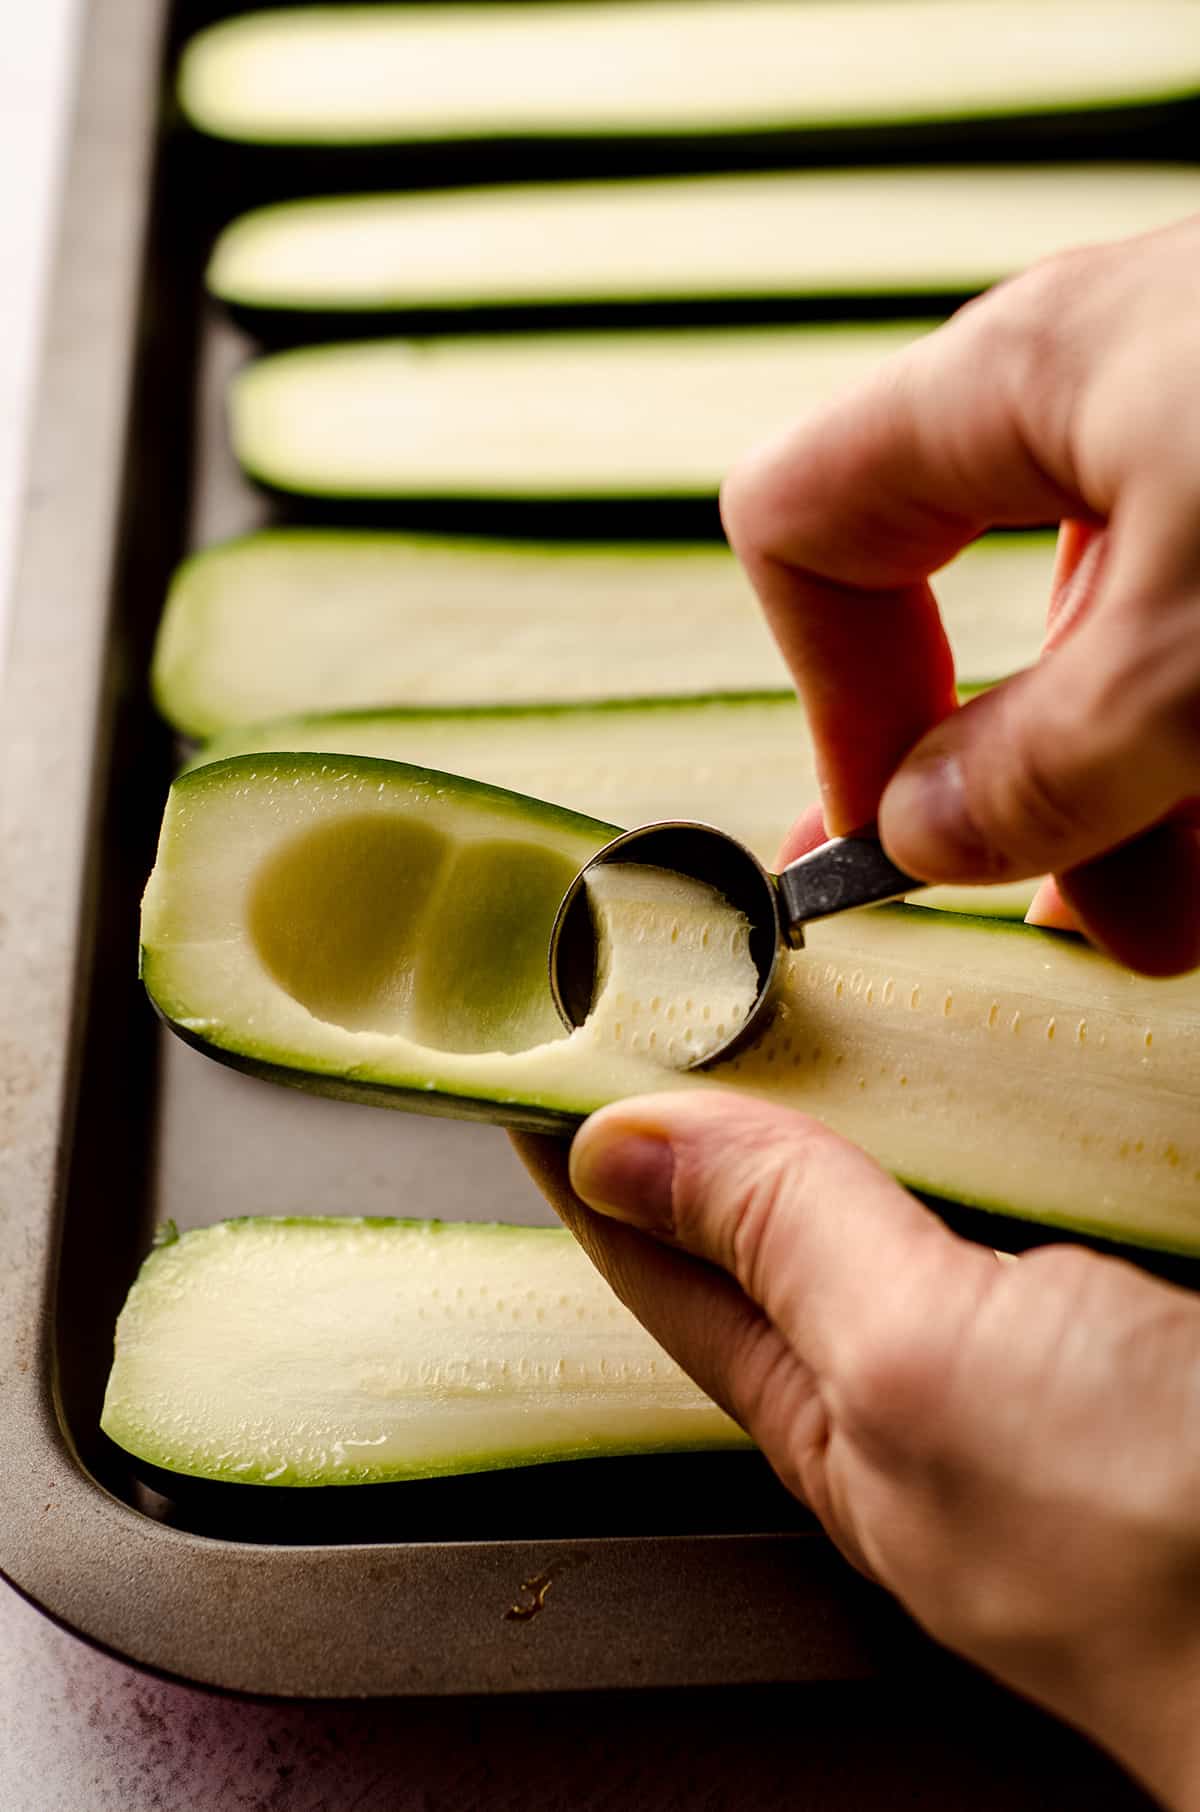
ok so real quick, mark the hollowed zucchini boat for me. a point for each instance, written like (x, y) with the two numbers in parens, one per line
(307, 620)
(671, 69)
(380, 932)
(836, 237)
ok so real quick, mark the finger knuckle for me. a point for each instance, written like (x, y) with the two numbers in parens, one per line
(758, 497)
(1149, 693)
(1063, 1273)
(737, 500)
(890, 1386)
(1027, 322)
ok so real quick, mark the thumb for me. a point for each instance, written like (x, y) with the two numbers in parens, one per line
(829, 1246)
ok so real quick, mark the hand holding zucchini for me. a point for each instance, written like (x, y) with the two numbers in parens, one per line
(1010, 1449)
(1058, 393)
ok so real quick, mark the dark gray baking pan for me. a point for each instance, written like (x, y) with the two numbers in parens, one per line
(668, 1573)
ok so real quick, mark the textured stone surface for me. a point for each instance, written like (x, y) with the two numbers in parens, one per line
(34, 77)
(80, 1732)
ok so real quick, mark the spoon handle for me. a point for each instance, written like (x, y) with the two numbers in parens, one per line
(842, 874)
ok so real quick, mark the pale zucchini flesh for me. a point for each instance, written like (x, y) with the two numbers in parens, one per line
(376, 931)
(362, 75)
(323, 620)
(656, 413)
(743, 761)
(311, 1352)
(838, 233)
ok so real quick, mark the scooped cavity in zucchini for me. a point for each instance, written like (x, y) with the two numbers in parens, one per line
(580, 417)
(321, 620)
(743, 761)
(379, 932)
(666, 69)
(839, 234)
(345, 1352)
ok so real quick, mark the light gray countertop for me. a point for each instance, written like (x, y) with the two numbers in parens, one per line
(80, 1732)
(36, 67)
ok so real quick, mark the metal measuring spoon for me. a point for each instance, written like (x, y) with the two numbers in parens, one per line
(842, 874)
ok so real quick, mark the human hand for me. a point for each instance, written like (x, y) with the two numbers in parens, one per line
(1013, 1450)
(1071, 392)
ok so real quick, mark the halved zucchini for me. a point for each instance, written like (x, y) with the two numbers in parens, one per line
(347, 1352)
(305, 620)
(562, 417)
(379, 932)
(834, 234)
(740, 760)
(668, 68)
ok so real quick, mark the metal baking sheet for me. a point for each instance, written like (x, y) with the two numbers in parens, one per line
(674, 1572)
(671, 1572)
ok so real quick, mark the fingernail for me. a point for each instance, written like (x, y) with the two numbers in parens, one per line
(1049, 910)
(625, 1173)
(924, 813)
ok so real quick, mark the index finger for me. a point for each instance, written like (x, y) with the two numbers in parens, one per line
(840, 522)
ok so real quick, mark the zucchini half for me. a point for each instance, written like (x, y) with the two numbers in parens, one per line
(307, 620)
(653, 414)
(666, 69)
(825, 237)
(379, 932)
(311, 1352)
(742, 760)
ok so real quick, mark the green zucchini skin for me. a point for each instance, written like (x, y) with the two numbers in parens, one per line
(277, 327)
(439, 1103)
(1097, 1068)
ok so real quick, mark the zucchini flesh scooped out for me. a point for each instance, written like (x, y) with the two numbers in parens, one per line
(739, 760)
(380, 932)
(658, 413)
(307, 620)
(839, 235)
(315, 1352)
(672, 68)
